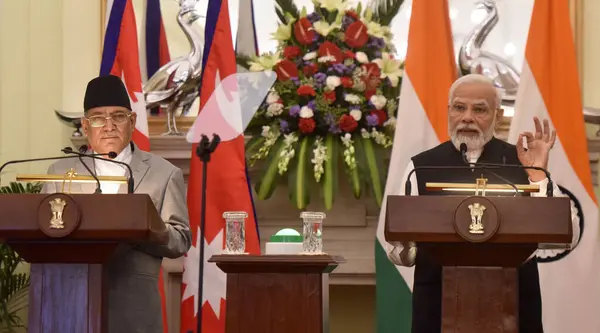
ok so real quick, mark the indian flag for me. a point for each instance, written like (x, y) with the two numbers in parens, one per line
(422, 123)
(549, 89)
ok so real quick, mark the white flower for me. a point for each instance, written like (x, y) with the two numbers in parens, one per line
(324, 28)
(265, 131)
(356, 114)
(264, 62)
(274, 109)
(331, 5)
(326, 58)
(390, 68)
(391, 122)
(362, 57)
(351, 98)
(272, 97)
(364, 133)
(378, 101)
(309, 56)
(283, 32)
(333, 82)
(306, 112)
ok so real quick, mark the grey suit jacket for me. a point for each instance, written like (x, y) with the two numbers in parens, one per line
(132, 271)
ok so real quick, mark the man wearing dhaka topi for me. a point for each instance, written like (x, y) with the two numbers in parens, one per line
(134, 303)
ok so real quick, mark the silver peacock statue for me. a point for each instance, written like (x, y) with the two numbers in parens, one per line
(176, 84)
(473, 59)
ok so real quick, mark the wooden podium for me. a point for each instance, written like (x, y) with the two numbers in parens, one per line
(480, 242)
(66, 239)
(277, 293)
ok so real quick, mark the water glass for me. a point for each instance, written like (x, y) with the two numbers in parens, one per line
(312, 227)
(235, 232)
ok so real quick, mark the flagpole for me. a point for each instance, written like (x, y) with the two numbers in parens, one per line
(205, 148)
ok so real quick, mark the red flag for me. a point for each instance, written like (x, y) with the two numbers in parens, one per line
(227, 188)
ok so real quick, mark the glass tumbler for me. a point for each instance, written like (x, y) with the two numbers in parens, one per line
(312, 230)
(235, 235)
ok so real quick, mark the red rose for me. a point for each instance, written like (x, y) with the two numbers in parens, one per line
(352, 14)
(329, 96)
(307, 125)
(372, 69)
(303, 31)
(309, 69)
(347, 123)
(347, 82)
(330, 49)
(381, 116)
(356, 34)
(291, 52)
(285, 70)
(305, 90)
(370, 93)
(371, 77)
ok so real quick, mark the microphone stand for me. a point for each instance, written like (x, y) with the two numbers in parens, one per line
(204, 150)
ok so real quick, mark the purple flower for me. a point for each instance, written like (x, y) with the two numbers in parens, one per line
(294, 110)
(312, 104)
(313, 17)
(377, 54)
(372, 120)
(283, 126)
(295, 80)
(339, 68)
(333, 127)
(346, 21)
(320, 77)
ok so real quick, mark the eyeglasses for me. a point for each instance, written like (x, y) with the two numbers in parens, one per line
(118, 118)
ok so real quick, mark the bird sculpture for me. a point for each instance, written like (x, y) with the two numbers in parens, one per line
(176, 84)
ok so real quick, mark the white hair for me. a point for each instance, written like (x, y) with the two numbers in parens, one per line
(475, 78)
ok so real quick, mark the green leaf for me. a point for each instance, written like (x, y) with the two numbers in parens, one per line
(298, 175)
(267, 183)
(330, 176)
(386, 10)
(375, 168)
(254, 144)
(283, 7)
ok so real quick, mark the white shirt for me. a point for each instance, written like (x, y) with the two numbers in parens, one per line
(408, 258)
(105, 168)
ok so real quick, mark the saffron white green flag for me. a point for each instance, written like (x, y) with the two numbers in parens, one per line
(549, 89)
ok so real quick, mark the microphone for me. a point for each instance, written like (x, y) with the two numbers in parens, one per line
(33, 160)
(98, 188)
(463, 152)
(549, 188)
(408, 185)
(111, 155)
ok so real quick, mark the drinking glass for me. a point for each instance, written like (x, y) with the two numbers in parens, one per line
(235, 235)
(312, 227)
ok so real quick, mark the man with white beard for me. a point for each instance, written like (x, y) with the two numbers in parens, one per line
(473, 111)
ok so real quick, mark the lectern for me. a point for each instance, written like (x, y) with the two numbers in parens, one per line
(277, 293)
(66, 238)
(480, 241)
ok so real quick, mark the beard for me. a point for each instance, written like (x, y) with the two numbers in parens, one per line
(473, 142)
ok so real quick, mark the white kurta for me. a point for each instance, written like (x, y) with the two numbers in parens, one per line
(105, 168)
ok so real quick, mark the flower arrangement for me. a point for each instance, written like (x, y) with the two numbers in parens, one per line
(336, 96)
